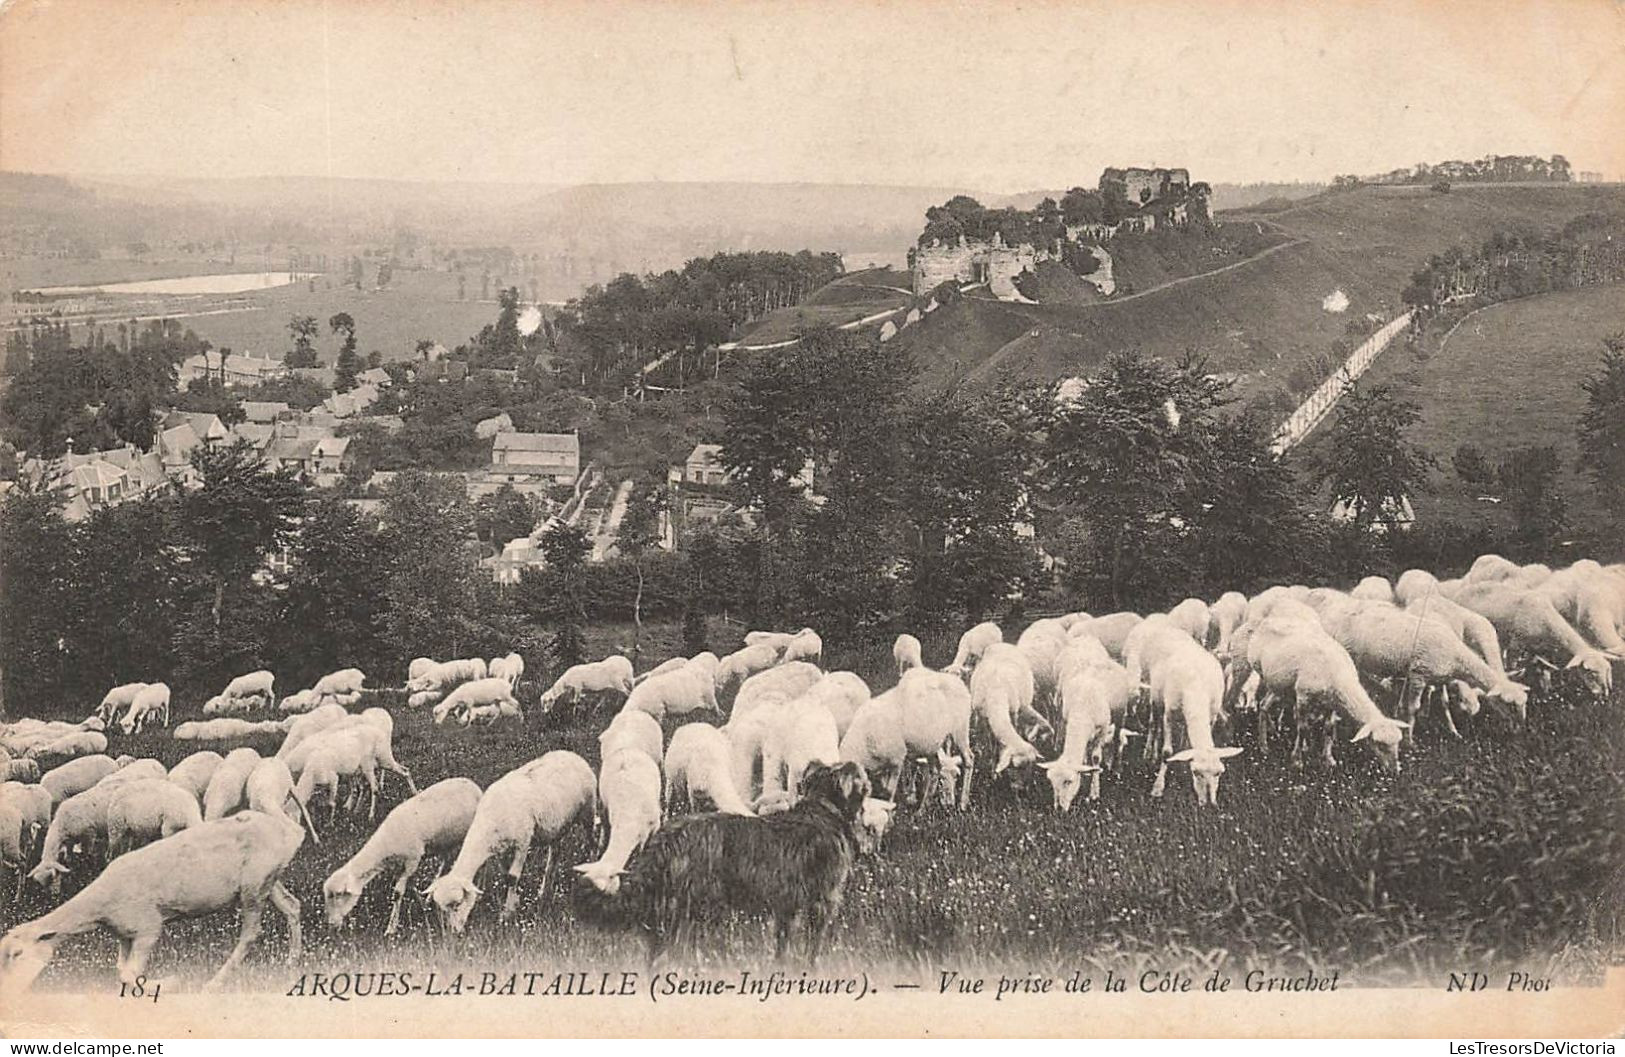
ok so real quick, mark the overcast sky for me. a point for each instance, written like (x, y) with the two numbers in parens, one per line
(993, 96)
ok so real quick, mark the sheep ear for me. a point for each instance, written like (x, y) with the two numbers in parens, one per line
(1124, 732)
(1181, 757)
(1402, 724)
(1088, 768)
(585, 867)
(1049, 765)
(1226, 753)
(1575, 661)
(1362, 734)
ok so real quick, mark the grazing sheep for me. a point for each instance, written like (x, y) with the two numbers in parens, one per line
(310, 723)
(147, 810)
(1491, 567)
(434, 822)
(747, 737)
(541, 798)
(447, 676)
(477, 692)
(221, 705)
(740, 665)
(423, 698)
(1188, 684)
(76, 776)
(971, 645)
(25, 813)
(80, 820)
(843, 693)
(1225, 616)
(118, 699)
(1476, 631)
(1095, 696)
(632, 729)
(675, 693)
(270, 789)
(1295, 658)
(699, 763)
(906, 652)
(612, 675)
(332, 758)
(212, 866)
(258, 684)
(786, 681)
(1042, 643)
(777, 639)
(227, 789)
(1587, 598)
(419, 666)
(629, 794)
(1154, 638)
(804, 645)
(1194, 618)
(673, 665)
(1001, 690)
(1374, 589)
(1112, 630)
(193, 773)
(84, 743)
(151, 703)
(916, 717)
(510, 667)
(344, 683)
(226, 728)
(20, 771)
(797, 737)
(1389, 643)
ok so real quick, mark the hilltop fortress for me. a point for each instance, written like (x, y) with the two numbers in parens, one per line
(964, 242)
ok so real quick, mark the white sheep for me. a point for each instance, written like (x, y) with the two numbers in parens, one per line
(270, 788)
(1194, 618)
(798, 736)
(747, 735)
(843, 693)
(632, 729)
(346, 683)
(423, 698)
(227, 788)
(691, 688)
(785, 681)
(1586, 597)
(629, 795)
(1042, 644)
(740, 665)
(83, 743)
(510, 667)
(918, 716)
(1154, 638)
(434, 822)
(1476, 631)
(1188, 684)
(76, 776)
(226, 728)
(209, 867)
(804, 645)
(1112, 631)
(81, 819)
(612, 675)
(1491, 567)
(906, 652)
(118, 699)
(777, 639)
(151, 703)
(1001, 689)
(1225, 615)
(20, 770)
(699, 763)
(147, 810)
(489, 713)
(1374, 589)
(309, 724)
(542, 798)
(448, 675)
(419, 666)
(672, 665)
(1095, 695)
(359, 749)
(971, 645)
(25, 812)
(224, 705)
(193, 773)
(486, 691)
(260, 684)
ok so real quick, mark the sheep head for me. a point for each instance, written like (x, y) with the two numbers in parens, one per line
(602, 877)
(454, 898)
(1510, 697)
(1385, 735)
(874, 819)
(1599, 670)
(1206, 767)
(1018, 754)
(24, 953)
(45, 872)
(1065, 780)
(949, 768)
(340, 892)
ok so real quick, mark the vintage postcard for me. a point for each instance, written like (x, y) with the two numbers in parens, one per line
(874, 517)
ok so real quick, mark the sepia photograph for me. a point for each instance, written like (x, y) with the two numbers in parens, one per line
(890, 518)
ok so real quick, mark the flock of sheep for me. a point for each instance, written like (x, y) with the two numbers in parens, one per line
(217, 831)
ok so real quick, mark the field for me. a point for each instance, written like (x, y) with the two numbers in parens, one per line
(1502, 848)
(1509, 376)
(1258, 320)
(853, 296)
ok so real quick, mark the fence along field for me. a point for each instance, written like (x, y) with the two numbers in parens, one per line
(1501, 848)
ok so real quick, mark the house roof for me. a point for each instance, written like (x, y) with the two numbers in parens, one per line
(177, 441)
(331, 447)
(706, 453)
(265, 410)
(257, 434)
(560, 442)
(97, 474)
(291, 449)
(373, 376)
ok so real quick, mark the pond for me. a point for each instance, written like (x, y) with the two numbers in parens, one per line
(234, 283)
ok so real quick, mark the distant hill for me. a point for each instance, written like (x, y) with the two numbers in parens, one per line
(1260, 319)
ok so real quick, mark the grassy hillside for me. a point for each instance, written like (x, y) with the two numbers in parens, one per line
(1509, 376)
(1260, 318)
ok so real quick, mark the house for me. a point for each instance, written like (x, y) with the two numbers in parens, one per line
(376, 377)
(486, 428)
(354, 402)
(175, 446)
(518, 457)
(256, 435)
(329, 458)
(704, 465)
(98, 479)
(235, 369)
(264, 412)
(207, 427)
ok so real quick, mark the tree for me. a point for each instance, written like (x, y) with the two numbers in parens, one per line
(348, 364)
(503, 515)
(640, 532)
(334, 604)
(1369, 462)
(430, 576)
(1473, 468)
(1252, 529)
(1528, 478)
(304, 331)
(1602, 427)
(36, 571)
